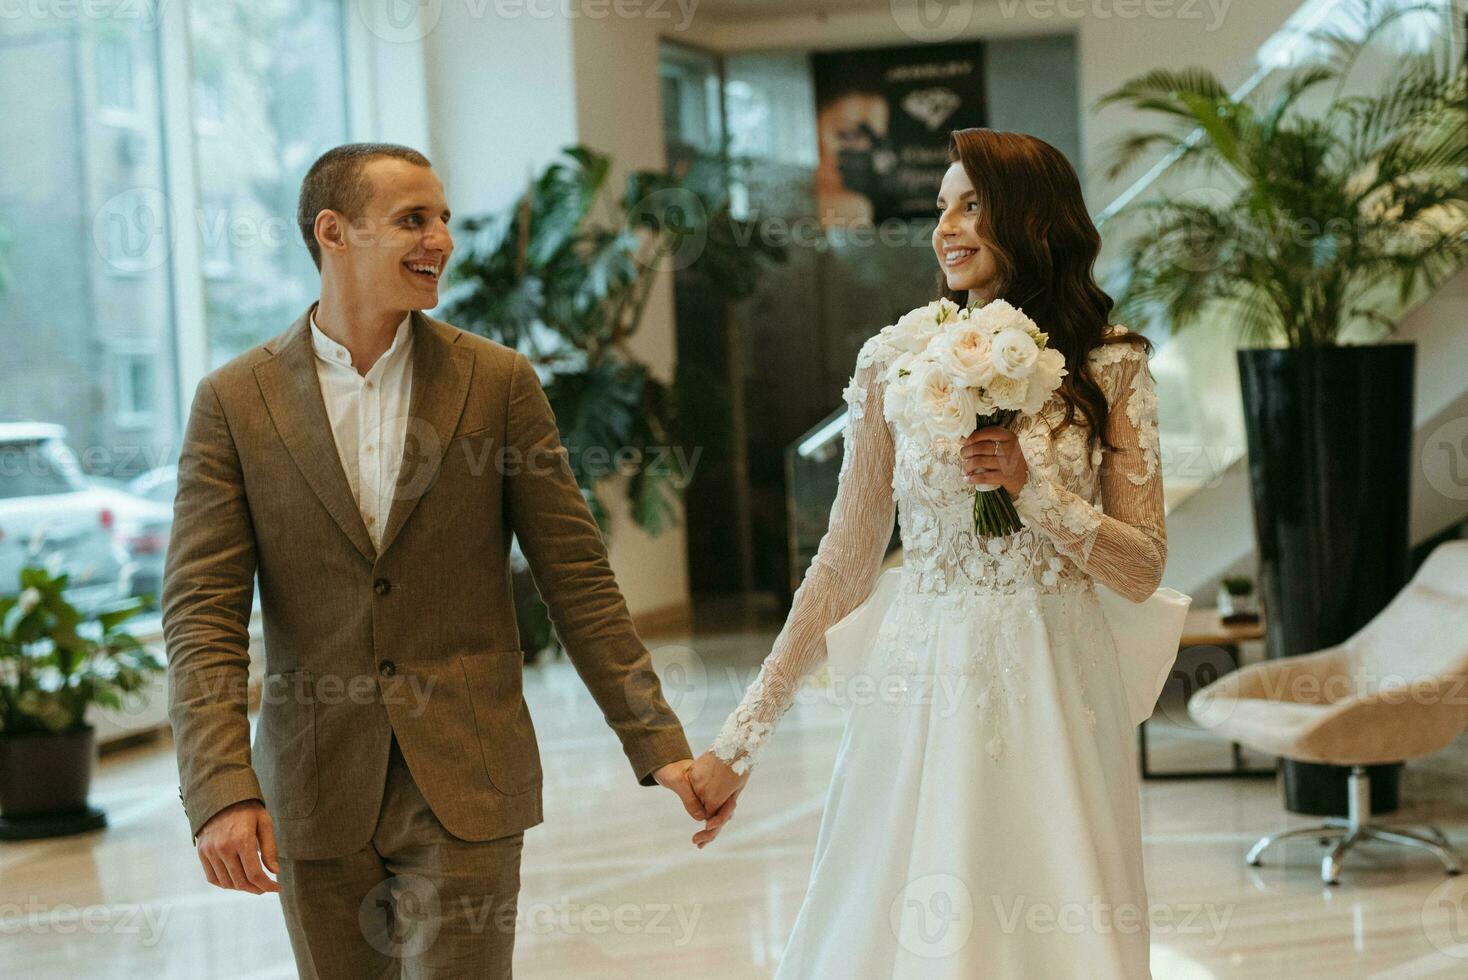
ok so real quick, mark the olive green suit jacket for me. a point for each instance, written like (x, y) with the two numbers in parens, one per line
(416, 638)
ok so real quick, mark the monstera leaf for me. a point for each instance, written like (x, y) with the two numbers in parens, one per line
(563, 275)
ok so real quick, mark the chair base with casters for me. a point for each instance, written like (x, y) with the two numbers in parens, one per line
(1351, 830)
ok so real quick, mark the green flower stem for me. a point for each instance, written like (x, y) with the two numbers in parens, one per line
(994, 513)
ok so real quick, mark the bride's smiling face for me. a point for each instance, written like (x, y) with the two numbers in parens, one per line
(967, 260)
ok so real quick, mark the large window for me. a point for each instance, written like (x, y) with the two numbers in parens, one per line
(269, 101)
(102, 231)
(86, 295)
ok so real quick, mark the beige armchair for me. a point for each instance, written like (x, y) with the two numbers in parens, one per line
(1397, 689)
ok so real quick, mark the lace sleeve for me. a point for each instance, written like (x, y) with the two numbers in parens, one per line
(1124, 546)
(841, 574)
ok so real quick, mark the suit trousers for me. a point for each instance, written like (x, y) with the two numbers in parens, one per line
(416, 902)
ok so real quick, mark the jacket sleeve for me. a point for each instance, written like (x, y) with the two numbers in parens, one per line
(568, 560)
(208, 590)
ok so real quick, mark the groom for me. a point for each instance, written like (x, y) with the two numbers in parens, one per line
(370, 465)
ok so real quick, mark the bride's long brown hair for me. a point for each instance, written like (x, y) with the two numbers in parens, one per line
(1033, 216)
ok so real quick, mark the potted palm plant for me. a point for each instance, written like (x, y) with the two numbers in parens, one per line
(55, 661)
(1323, 225)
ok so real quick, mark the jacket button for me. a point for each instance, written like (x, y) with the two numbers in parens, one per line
(382, 586)
(387, 668)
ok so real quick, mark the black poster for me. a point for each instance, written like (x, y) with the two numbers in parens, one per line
(883, 118)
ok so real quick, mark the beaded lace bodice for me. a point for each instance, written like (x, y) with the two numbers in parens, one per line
(1088, 515)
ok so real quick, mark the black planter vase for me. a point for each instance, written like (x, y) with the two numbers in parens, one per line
(1330, 441)
(44, 781)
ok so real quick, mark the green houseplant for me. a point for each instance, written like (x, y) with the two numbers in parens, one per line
(1316, 213)
(1236, 601)
(55, 661)
(554, 278)
(564, 276)
(549, 279)
(1330, 211)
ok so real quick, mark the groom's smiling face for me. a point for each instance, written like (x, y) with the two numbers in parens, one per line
(401, 244)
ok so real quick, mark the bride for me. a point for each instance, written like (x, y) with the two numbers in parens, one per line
(983, 815)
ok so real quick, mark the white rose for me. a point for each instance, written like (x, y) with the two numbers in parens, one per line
(984, 403)
(911, 337)
(1013, 352)
(1036, 398)
(915, 318)
(902, 362)
(965, 354)
(897, 401)
(915, 328)
(1050, 365)
(1049, 369)
(997, 314)
(1008, 394)
(947, 408)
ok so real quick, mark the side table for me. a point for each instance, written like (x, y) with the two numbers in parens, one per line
(1205, 627)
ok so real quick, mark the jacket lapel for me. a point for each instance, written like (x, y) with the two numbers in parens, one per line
(292, 394)
(441, 373)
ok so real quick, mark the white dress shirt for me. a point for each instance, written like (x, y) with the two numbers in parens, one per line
(369, 417)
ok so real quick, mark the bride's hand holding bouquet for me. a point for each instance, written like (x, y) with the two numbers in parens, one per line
(966, 369)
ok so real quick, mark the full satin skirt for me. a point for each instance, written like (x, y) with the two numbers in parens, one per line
(983, 816)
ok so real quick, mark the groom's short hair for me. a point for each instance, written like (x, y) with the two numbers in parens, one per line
(337, 181)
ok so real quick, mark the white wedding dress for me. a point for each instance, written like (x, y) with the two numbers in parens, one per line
(983, 815)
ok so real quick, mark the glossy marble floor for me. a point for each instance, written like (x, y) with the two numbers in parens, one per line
(613, 889)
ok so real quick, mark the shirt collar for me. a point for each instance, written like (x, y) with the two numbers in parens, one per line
(334, 353)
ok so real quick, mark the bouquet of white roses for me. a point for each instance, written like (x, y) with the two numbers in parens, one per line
(959, 370)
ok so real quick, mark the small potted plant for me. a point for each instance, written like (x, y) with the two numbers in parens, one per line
(55, 661)
(1236, 600)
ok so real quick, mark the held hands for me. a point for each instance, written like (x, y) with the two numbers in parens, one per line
(232, 844)
(674, 776)
(992, 455)
(719, 788)
(235, 841)
(707, 788)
